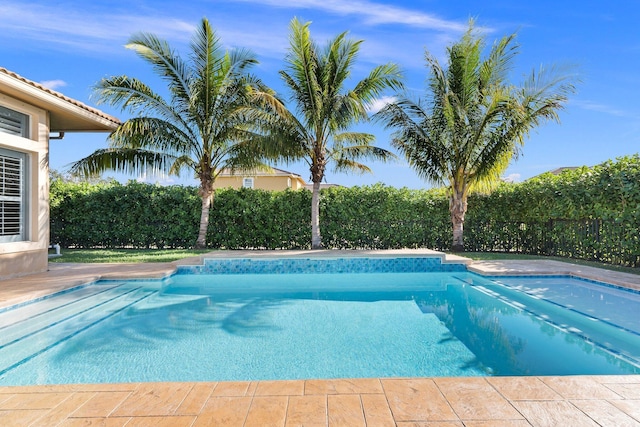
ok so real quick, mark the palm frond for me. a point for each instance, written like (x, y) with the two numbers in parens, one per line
(133, 95)
(336, 63)
(495, 68)
(124, 160)
(153, 134)
(302, 63)
(180, 163)
(351, 166)
(167, 64)
(363, 152)
(382, 77)
(353, 138)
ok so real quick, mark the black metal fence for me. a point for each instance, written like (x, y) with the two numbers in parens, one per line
(591, 239)
(398, 234)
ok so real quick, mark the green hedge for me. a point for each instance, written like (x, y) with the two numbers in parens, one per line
(112, 215)
(591, 213)
(259, 219)
(381, 217)
(138, 215)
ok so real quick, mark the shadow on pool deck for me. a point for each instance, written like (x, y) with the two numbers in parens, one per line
(491, 401)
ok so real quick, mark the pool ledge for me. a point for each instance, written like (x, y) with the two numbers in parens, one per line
(551, 267)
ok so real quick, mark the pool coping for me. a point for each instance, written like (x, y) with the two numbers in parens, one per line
(370, 402)
(512, 401)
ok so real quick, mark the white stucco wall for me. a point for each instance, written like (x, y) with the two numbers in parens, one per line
(30, 256)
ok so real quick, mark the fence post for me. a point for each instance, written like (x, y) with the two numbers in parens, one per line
(598, 224)
(546, 240)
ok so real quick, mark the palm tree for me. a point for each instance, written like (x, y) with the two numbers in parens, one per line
(206, 124)
(474, 122)
(325, 109)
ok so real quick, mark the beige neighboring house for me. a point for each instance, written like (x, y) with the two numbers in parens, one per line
(557, 171)
(274, 180)
(29, 114)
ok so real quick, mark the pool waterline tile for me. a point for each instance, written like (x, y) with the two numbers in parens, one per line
(321, 266)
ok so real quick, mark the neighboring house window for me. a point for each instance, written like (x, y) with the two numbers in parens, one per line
(13, 200)
(14, 123)
(247, 182)
(288, 182)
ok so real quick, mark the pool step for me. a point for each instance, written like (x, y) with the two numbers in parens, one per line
(55, 315)
(605, 335)
(50, 304)
(27, 339)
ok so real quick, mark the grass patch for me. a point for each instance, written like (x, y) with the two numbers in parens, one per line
(125, 255)
(497, 256)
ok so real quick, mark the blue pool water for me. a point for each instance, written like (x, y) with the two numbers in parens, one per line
(292, 319)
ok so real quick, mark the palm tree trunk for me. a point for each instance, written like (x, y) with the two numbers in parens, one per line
(316, 239)
(207, 199)
(458, 209)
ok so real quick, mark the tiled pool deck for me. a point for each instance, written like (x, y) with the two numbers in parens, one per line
(441, 402)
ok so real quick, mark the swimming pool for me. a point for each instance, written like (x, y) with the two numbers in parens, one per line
(244, 319)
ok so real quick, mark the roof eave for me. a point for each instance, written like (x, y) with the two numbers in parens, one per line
(66, 114)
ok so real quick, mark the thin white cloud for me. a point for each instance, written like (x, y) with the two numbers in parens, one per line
(92, 28)
(53, 84)
(83, 28)
(371, 12)
(513, 177)
(602, 108)
(380, 103)
(105, 33)
(267, 43)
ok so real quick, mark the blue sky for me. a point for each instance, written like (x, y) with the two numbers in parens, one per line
(69, 45)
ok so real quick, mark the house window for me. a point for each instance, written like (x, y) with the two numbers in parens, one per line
(14, 123)
(288, 182)
(13, 200)
(247, 182)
